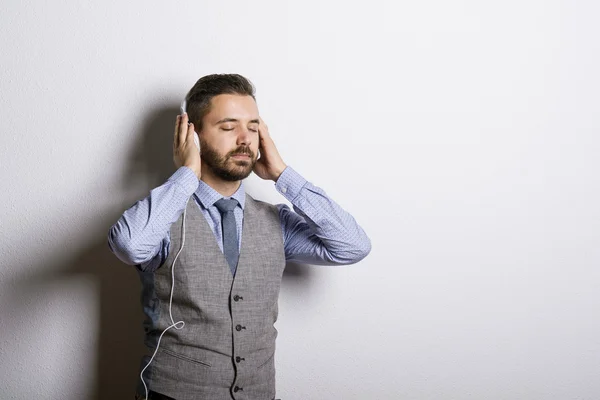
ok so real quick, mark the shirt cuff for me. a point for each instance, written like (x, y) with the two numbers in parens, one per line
(290, 183)
(186, 180)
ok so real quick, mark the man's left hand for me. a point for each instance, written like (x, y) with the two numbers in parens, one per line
(269, 165)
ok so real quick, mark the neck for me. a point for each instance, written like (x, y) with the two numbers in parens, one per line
(224, 188)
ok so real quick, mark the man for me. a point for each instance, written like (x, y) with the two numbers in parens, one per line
(211, 258)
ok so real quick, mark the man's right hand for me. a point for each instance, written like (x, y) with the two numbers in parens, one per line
(185, 152)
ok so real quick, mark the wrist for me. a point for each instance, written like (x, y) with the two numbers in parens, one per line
(278, 171)
(195, 170)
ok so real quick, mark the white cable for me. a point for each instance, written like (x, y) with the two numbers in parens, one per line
(173, 323)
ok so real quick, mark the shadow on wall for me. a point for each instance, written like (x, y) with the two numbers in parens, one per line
(120, 336)
(120, 345)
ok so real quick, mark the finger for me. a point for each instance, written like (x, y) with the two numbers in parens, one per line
(263, 125)
(190, 134)
(261, 139)
(264, 130)
(175, 134)
(261, 130)
(182, 129)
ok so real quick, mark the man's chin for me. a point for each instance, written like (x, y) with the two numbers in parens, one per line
(241, 171)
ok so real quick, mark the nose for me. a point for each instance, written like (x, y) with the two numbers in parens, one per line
(244, 137)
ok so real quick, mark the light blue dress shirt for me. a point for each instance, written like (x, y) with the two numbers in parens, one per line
(319, 232)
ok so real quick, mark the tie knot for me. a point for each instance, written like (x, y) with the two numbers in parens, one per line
(226, 205)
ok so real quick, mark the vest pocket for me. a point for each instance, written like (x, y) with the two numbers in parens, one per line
(270, 359)
(185, 358)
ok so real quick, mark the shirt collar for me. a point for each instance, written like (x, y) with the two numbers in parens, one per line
(207, 196)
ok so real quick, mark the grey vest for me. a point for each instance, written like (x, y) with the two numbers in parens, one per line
(226, 348)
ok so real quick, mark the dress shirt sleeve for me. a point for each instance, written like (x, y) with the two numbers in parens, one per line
(141, 236)
(320, 231)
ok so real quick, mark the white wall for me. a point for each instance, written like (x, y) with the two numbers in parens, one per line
(462, 135)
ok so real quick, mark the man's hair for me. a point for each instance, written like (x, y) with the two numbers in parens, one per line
(199, 97)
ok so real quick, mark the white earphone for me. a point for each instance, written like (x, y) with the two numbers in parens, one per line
(178, 324)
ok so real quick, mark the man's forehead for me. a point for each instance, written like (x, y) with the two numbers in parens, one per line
(233, 106)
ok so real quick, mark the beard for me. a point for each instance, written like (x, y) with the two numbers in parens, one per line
(226, 167)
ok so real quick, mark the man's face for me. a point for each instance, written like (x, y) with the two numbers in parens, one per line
(229, 136)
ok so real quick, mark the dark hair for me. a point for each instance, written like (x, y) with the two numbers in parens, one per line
(199, 97)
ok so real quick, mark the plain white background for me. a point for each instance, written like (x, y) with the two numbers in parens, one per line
(463, 137)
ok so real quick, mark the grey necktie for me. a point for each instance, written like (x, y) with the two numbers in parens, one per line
(230, 236)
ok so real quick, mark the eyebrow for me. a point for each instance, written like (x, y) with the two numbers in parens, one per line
(254, 121)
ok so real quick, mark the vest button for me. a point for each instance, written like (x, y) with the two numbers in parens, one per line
(237, 298)
(238, 359)
(239, 328)
(237, 389)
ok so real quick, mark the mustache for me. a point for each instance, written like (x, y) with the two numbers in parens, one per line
(241, 150)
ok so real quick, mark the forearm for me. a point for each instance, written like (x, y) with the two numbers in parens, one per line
(322, 232)
(138, 234)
